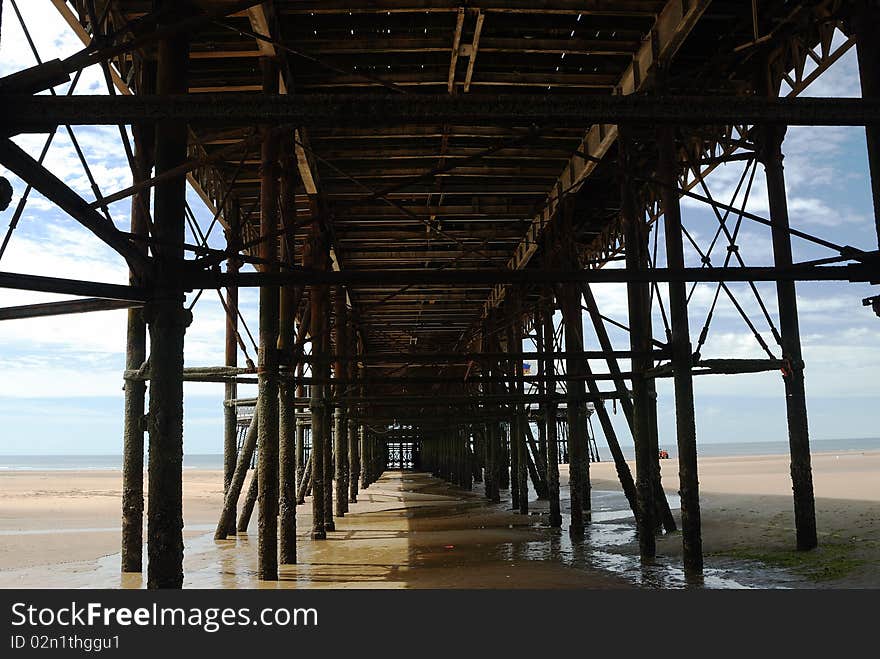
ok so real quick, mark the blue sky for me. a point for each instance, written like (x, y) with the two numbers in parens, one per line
(60, 378)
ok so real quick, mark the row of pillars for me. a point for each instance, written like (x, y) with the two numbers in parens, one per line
(454, 458)
(503, 452)
(343, 456)
(163, 146)
(342, 452)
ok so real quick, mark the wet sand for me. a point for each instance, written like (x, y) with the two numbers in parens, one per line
(747, 515)
(60, 529)
(49, 517)
(409, 530)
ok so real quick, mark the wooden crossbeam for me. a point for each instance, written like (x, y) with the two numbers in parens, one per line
(456, 44)
(475, 44)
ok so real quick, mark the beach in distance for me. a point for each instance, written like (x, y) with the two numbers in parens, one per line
(60, 515)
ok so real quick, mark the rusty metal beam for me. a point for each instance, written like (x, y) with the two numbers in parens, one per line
(861, 272)
(65, 307)
(42, 284)
(40, 113)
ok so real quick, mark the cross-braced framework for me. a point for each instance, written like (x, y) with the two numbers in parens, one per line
(426, 195)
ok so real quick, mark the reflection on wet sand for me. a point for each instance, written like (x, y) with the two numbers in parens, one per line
(410, 530)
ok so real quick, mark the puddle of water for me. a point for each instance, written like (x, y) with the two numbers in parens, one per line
(610, 545)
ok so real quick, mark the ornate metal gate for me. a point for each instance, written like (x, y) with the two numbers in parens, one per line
(401, 455)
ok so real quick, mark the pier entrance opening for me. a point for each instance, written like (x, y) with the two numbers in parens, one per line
(402, 455)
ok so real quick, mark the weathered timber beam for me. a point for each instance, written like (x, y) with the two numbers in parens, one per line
(260, 24)
(65, 307)
(34, 113)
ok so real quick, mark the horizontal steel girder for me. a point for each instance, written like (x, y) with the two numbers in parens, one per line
(23, 113)
(860, 272)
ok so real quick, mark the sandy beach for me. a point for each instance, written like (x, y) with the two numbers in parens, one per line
(55, 522)
(747, 514)
(51, 517)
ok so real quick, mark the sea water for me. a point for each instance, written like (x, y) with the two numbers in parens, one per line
(215, 460)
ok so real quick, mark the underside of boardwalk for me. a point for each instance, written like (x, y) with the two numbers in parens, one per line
(426, 194)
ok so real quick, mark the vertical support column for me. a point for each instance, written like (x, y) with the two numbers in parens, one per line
(364, 455)
(329, 522)
(519, 411)
(493, 490)
(267, 365)
(287, 425)
(353, 468)
(770, 154)
(316, 257)
(485, 388)
(340, 434)
(865, 22)
(354, 456)
(300, 422)
(502, 449)
(493, 448)
(685, 423)
(548, 347)
(373, 444)
(135, 356)
(577, 429)
(503, 454)
(477, 455)
(570, 303)
(230, 413)
(638, 297)
(467, 467)
(167, 320)
(380, 458)
(510, 368)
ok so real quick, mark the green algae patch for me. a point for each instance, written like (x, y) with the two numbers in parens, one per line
(828, 562)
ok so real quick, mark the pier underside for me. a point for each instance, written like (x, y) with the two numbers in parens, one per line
(428, 197)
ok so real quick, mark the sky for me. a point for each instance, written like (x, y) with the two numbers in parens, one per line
(61, 378)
